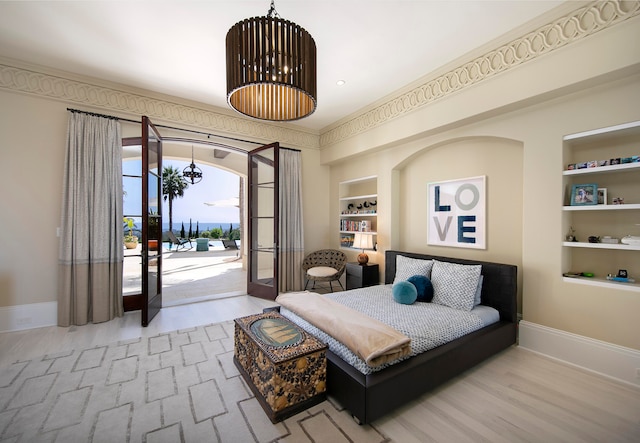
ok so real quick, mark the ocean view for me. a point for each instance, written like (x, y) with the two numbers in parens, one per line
(177, 226)
(203, 226)
(167, 246)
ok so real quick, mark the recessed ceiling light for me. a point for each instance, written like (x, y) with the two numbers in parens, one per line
(340, 82)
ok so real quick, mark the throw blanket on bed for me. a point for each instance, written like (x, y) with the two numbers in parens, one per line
(373, 341)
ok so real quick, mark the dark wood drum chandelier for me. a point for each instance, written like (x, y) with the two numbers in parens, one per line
(271, 68)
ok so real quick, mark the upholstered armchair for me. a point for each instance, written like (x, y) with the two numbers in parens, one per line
(325, 265)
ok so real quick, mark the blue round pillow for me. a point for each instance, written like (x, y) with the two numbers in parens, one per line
(423, 287)
(404, 292)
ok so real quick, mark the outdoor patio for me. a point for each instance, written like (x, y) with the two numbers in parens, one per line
(191, 275)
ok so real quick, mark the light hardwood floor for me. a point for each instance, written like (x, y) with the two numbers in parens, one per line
(514, 396)
(520, 396)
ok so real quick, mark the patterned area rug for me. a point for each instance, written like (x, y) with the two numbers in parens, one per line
(175, 387)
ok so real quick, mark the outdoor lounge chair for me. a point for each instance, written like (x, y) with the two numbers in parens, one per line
(230, 244)
(179, 242)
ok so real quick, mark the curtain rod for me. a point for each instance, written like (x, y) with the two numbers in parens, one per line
(95, 114)
(208, 134)
(291, 149)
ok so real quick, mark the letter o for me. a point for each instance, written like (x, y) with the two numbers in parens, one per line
(474, 191)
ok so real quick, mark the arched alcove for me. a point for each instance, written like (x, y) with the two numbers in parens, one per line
(500, 160)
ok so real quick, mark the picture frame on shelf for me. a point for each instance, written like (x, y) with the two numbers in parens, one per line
(585, 194)
(618, 201)
(602, 196)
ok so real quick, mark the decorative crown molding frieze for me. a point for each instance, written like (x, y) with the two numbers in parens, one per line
(572, 27)
(30, 81)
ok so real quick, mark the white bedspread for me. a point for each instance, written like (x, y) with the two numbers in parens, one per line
(427, 324)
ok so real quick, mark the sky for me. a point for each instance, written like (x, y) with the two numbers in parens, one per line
(216, 184)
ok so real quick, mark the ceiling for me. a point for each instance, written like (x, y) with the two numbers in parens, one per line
(177, 47)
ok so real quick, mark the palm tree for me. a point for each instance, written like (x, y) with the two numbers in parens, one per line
(173, 186)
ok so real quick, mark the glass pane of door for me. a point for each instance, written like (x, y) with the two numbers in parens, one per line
(132, 211)
(263, 222)
(264, 263)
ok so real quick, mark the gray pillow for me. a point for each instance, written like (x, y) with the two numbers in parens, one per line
(407, 267)
(455, 285)
(478, 296)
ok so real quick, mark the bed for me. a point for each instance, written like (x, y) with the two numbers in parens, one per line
(369, 396)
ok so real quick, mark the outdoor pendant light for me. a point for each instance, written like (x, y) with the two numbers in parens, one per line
(271, 68)
(192, 173)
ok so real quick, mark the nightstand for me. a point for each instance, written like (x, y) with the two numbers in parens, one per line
(360, 276)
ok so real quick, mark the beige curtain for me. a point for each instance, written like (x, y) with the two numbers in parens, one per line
(91, 248)
(290, 277)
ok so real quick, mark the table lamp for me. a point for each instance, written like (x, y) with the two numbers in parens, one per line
(363, 240)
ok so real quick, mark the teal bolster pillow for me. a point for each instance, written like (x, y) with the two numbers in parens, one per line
(404, 292)
(424, 288)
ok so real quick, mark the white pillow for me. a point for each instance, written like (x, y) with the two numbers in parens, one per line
(455, 285)
(407, 267)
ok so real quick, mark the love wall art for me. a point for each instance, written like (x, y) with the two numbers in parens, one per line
(457, 213)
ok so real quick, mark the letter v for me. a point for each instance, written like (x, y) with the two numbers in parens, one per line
(442, 234)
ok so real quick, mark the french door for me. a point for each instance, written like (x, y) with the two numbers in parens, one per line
(263, 222)
(151, 221)
(145, 186)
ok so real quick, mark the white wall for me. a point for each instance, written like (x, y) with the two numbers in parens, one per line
(521, 153)
(526, 110)
(32, 139)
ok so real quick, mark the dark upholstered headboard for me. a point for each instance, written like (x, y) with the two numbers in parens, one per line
(499, 286)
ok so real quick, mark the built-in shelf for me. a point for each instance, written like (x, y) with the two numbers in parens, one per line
(625, 207)
(368, 214)
(593, 134)
(635, 287)
(620, 246)
(353, 232)
(358, 201)
(621, 180)
(359, 197)
(626, 167)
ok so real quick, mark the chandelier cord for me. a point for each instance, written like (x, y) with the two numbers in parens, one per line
(272, 10)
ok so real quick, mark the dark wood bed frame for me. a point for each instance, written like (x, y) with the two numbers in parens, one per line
(369, 397)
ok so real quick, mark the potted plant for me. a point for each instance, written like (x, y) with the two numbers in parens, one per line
(130, 240)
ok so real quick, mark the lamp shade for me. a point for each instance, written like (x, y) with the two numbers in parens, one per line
(363, 240)
(271, 69)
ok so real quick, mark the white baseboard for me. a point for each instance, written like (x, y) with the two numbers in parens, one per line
(30, 316)
(607, 359)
